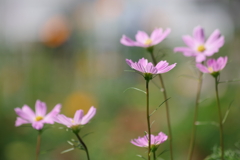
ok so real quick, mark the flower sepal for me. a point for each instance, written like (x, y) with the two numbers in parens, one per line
(148, 76)
(76, 128)
(215, 74)
(150, 49)
(154, 148)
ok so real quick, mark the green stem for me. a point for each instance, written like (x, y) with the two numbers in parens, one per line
(38, 144)
(148, 120)
(194, 127)
(220, 119)
(166, 106)
(154, 155)
(84, 145)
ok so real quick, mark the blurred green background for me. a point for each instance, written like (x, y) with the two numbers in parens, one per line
(69, 52)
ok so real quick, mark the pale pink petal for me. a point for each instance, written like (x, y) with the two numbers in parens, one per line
(202, 68)
(162, 37)
(28, 112)
(88, 116)
(141, 37)
(189, 41)
(213, 37)
(200, 57)
(156, 34)
(21, 121)
(186, 51)
(64, 120)
(127, 41)
(161, 65)
(49, 118)
(166, 69)
(40, 108)
(38, 125)
(78, 116)
(198, 34)
(211, 62)
(129, 62)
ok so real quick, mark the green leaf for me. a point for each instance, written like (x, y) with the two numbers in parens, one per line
(141, 157)
(158, 107)
(207, 123)
(227, 112)
(68, 150)
(135, 89)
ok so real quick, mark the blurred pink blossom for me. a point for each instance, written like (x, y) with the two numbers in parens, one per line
(213, 66)
(26, 115)
(198, 47)
(79, 118)
(143, 40)
(146, 67)
(155, 140)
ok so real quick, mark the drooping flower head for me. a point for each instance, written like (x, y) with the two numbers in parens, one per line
(143, 40)
(78, 120)
(200, 48)
(26, 115)
(213, 66)
(148, 69)
(155, 141)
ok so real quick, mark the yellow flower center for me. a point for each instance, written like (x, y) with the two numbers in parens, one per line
(210, 69)
(148, 42)
(38, 118)
(201, 48)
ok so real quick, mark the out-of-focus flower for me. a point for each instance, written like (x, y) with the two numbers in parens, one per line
(55, 31)
(155, 141)
(78, 120)
(213, 66)
(26, 115)
(147, 69)
(198, 47)
(143, 40)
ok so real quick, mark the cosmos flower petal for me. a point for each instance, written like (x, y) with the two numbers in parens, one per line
(200, 58)
(49, 118)
(198, 34)
(161, 37)
(20, 121)
(28, 112)
(189, 41)
(127, 41)
(141, 37)
(64, 120)
(156, 34)
(78, 116)
(89, 115)
(40, 108)
(37, 125)
(213, 37)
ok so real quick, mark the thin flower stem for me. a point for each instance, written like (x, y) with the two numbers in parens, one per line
(194, 127)
(154, 155)
(220, 119)
(38, 144)
(167, 108)
(148, 120)
(84, 145)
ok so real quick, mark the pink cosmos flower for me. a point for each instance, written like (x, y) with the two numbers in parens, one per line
(143, 40)
(213, 66)
(155, 140)
(147, 68)
(198, 47)
(26, 115)
(78, 120)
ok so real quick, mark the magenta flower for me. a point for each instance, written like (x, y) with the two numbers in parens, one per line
(78, 120)
(143, 40)
(213, 66)
(148, 69)
(155, 140)
(26, 115)
(198, 47)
